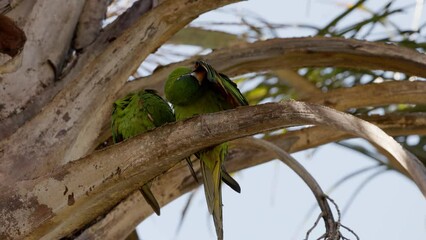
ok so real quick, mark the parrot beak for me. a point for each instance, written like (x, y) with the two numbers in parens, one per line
(199, 72)
(199, 76)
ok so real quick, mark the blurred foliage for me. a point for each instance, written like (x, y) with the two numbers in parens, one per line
(418, 148)
(378, 25)
(326, 79)
(205, 38)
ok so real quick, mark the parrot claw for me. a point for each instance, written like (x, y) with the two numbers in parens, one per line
(191, 168)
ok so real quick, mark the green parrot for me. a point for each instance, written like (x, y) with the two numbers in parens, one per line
(198, 91)
(135, 114)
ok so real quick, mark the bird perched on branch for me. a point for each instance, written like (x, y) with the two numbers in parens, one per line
(135, 114)
(198, 91)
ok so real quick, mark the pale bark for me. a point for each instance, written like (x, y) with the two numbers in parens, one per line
(243, 154)
(84, 57)
(48, 39)
(370, 95)
(50, 117)
(68, 126)
(89, 187)
(359, 96)
(90, 23)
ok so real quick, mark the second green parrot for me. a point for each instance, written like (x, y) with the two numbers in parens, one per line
(198, 91)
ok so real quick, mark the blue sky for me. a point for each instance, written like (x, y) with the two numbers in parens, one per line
(274, 202)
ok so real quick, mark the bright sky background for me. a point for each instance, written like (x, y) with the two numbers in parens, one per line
(275, 203)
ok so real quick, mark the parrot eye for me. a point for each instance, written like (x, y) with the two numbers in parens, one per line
(182, 77)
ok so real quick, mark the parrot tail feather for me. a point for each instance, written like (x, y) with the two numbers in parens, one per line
(211, 171)
(150, 199)
(231, 182)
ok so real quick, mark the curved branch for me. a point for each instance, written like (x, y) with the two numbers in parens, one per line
(298, 140)
(243, 154)
(295, 53)
(82, 190)
(358, 96)
(376, 94)
(327, 214)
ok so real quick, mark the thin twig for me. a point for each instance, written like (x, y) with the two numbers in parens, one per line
(350, 230)
(185, 212)
(350, 176)
(338, 184)
(313, 227)
(361, 186)
(337, 233)
(320, 196)
(337, 19)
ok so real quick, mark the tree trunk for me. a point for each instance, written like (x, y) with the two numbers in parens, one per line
(56, 98)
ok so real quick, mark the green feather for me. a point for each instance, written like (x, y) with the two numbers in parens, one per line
(135, 114)
(180, 87)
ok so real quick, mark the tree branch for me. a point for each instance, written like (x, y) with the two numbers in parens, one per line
(298, 140)
(243, 154)
(295, 53)
(303, 87)
(90, 23)
(358, 96)
(331, 226)
(376, 94)
(176, 182)
(80, 191)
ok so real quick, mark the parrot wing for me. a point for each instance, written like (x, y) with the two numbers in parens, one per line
(158, 111)
(117, 117)
(137, 113)
(225, 86)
